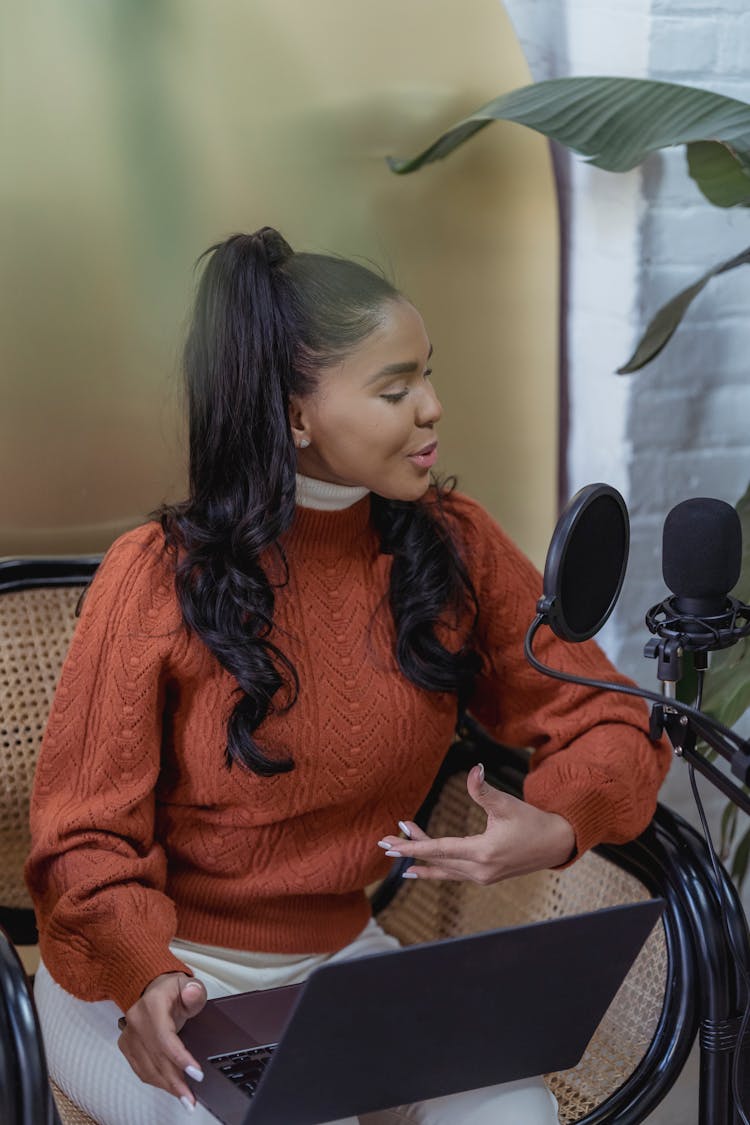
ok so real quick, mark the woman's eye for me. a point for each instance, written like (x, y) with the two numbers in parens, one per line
(396, 396)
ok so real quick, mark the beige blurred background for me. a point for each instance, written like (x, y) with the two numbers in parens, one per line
(136, 134)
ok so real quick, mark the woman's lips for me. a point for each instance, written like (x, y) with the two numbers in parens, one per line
(426, 457)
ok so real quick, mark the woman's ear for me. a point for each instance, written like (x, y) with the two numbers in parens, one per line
(298, 422)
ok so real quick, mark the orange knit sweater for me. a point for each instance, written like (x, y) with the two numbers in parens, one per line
(140, 833)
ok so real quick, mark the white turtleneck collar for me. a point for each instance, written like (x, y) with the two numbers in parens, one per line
(326, 497)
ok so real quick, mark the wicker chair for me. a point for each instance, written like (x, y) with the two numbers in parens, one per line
(38, 599)
(682, 982)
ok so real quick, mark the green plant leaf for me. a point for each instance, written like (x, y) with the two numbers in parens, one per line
(727, 697)
(617, 123)
(740, 859)
(662, 326)
(721, 178)
(742, 589)
(728, 829)
(727, 690)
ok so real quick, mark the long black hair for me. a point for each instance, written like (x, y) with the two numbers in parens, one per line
(266, 320)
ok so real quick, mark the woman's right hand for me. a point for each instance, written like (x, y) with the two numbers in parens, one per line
(149, 1040)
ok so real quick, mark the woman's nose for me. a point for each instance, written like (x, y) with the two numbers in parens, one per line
(429, 409)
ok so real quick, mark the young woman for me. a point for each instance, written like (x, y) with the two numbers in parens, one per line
(264, 681)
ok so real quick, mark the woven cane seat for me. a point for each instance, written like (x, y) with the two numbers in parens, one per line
(70, 1114)
(35, 630)
(36, 626)
(427, 910)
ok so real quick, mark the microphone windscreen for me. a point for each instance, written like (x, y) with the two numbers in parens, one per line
(586, 562)
(591, 577)
(702, 548)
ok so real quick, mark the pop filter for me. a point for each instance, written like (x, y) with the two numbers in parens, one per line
(586, 562)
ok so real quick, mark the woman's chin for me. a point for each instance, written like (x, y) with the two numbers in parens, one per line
(406, 492)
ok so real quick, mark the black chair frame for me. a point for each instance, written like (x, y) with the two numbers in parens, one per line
(25, 1093)
(22, 574)
(705, 991)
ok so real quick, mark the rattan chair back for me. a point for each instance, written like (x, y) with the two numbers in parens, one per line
(36, 626)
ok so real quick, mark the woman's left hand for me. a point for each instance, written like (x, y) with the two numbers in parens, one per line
(518, 839)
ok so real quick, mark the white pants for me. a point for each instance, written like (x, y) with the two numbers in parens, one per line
(84, 1060)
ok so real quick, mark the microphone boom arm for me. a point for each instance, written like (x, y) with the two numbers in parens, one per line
(682, 737)
(679, 720)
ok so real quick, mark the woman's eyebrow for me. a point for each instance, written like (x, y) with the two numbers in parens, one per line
(393, 369)
(405, 368)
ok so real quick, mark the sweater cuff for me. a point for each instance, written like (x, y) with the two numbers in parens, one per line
(587, 806)
(605, 784)
(126, 979)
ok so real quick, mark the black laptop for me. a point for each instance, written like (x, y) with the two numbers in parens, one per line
(417, 1023)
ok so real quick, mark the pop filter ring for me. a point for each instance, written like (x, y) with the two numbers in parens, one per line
(551, 605)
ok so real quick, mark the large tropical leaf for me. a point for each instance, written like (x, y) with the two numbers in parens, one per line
(720, 176)
(663, 324)
(617, 122)
(727, 691)
(727, 697)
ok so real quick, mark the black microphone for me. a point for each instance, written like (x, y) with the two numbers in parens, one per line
(701, 562)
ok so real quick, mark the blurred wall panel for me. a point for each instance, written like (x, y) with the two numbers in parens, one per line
(138, 132)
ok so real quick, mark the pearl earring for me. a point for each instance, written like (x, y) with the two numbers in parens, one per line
(303, 443)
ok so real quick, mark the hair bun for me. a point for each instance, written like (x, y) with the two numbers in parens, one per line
(272, 245)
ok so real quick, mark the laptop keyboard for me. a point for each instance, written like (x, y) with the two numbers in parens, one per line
(244, 1068)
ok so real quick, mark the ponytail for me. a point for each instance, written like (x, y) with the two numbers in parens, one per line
(239, 374)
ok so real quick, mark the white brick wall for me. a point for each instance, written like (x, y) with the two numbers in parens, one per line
(689, 411)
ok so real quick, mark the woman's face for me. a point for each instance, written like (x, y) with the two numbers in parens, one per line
(371, 418)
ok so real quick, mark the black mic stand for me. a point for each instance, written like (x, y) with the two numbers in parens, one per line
(679, 726)
(723, 1031)
(720, 934)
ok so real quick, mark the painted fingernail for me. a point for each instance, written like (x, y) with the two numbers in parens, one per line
(194, 1073)
(409, 875)
(383, 844)
(394, 854)
(187, 1104)
(405, 829)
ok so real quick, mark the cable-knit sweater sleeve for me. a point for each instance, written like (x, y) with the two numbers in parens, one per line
(593, 762)
(96, 873)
